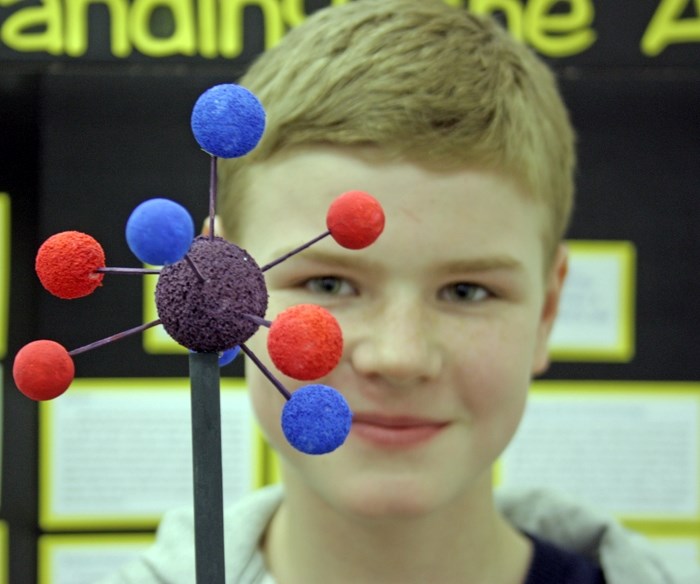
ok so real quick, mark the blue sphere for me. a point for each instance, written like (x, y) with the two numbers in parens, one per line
(316, 419)
(228, 121)
(228, 356)
(159, 232)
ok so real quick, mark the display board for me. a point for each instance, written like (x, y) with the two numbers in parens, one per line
(584, 31)
(4, 270)
(4, 320)
(100, 95)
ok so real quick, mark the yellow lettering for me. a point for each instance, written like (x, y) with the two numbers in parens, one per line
(512, 9)
(182, 41)
(559, 34)
(213, 28)
(77, 26)
(206, 28)
(667, 27)
(48, 16)
(293, 12)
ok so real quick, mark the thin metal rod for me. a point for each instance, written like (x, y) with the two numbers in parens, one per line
(255, 319)
(128, 270)
(117, 337)
(295, 251)
(266, 372)
(212, 196)
(207, 468)
(194, 267)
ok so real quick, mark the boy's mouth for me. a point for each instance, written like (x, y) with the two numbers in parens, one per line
(395, 432)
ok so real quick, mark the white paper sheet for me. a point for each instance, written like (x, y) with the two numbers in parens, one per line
(65, 560)
(632, 454)
(123, 450)
(596, 313)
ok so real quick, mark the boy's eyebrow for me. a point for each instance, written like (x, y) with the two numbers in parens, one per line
(480, 264)
(323, 257)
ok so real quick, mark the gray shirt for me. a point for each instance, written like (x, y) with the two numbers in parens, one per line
(625, 556)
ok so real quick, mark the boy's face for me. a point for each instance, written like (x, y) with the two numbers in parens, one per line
(445, 319)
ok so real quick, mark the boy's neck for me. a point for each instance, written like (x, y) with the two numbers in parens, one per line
(308, 542)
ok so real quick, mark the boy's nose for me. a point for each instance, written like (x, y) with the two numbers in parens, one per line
(399, 345)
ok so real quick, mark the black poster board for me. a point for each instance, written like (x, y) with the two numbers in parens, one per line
(84, 138)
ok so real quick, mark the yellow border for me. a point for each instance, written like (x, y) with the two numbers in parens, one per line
(657, 389)
(689, 530)
(4, 552)
(658, 533)
(48, 545)
(49, 521)
(155, 340)
(623, 350)
(4, 271)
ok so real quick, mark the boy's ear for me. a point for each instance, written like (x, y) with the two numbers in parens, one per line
(218, 227)
(554, 284)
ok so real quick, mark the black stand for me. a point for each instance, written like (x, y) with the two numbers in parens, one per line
(206, 465)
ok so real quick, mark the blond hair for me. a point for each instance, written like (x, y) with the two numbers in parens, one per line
(423, 81)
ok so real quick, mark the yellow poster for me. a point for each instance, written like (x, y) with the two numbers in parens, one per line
(597, 311)
(64, 559)
(631, 449)
(117, 453)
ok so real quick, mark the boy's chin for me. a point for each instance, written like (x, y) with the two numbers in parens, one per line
(383, 506)
(384, 497)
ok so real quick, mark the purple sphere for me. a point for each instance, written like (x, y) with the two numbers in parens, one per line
(208, 316)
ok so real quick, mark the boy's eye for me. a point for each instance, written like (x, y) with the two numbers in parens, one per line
(463, 292)
(331, 285)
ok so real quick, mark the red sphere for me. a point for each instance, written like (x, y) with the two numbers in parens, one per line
(305, 342)
(355, 219)
(43, 370)
(66, 264)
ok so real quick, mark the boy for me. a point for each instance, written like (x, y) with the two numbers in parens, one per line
(461, 134)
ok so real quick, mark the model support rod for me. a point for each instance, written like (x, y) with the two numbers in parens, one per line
(207, 468)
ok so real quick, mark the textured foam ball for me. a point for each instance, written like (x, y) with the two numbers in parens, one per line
(228, 356)
(66, 264)
(355, 219)
(316, 419)
(206, 316)
(159, 231)
(43, 370)
(228, 120)
(305, 342)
